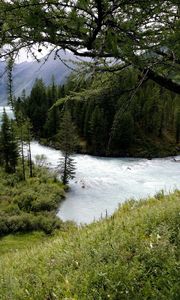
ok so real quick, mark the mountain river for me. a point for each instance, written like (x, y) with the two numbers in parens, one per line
(101, 184)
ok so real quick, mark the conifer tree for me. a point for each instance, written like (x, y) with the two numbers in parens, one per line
(38, 107)
(28, 139)
(23, 130)
(52, 123)
(98, 131)
(9, 147)
(177, 125)
(121, 135)
(67, 142)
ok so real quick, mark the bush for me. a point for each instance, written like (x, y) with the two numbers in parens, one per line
(48, 224)
(29, 205)
(3, 226)
(12, 209)
(27, 222)
(25, 200)
(43, 204)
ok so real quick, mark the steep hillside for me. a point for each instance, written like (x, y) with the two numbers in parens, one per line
(25, 73)
(132, 255)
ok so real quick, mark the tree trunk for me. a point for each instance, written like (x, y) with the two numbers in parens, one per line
(30, 160)
(65, 169)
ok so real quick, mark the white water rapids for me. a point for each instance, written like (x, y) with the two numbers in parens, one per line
(102, 183)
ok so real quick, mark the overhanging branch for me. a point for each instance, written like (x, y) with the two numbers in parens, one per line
(163, 81)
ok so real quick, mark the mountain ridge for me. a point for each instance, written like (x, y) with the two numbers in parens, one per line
(25, 73)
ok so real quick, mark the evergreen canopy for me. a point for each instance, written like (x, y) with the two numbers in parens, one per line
(143, 34)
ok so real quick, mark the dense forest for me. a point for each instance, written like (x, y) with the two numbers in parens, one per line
(112, 116)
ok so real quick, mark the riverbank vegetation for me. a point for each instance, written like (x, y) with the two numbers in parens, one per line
(31, 204)
(30, 194)
(111, 117)
(132, 255)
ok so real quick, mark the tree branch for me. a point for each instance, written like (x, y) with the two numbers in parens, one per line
(165, 82)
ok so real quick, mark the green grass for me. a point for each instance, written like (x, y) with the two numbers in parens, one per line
(13, 243)
(135, 254)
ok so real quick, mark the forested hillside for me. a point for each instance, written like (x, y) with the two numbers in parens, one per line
(113, 117)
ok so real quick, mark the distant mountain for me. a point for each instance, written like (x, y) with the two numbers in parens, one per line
(25, 73)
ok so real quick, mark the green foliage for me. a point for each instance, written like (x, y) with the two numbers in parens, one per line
(102, 30)
(66, 169)
(122, 131)
(23, 130)
(114, 120)
(67, 140)
(67, 135)
(39, 110)
(15, 242)
(52, 121)
(27, 223)
(98, 130)
(38, 106)
(177, 125)
(8, 145)
(148, 115)
(10, 64)
(133, 254)
(29, 205)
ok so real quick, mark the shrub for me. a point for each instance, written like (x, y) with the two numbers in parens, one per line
(48, 224)
(27, 222)
(29, 205)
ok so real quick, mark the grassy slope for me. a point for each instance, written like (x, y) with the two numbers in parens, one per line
(132, 255)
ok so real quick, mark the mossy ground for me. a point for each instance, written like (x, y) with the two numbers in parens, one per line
(132, 255)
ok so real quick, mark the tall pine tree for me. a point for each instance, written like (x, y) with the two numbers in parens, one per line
(67, 142)
(9, 146)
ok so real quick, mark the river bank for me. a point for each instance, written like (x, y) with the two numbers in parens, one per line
(146, 148)
(31, 204)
